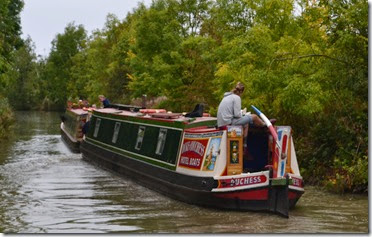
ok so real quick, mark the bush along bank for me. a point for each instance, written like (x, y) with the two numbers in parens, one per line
(6, 117)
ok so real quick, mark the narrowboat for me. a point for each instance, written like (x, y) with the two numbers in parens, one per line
(72, 124)
(191, 160)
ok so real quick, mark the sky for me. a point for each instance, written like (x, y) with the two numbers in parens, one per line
(42, 20)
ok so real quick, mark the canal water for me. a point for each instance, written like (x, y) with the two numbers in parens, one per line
(47, 189)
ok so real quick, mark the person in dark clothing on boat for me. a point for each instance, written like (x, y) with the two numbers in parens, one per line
(229, 111)
(105, 102)
(85, 128)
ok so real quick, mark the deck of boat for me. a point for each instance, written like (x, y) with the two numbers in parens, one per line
(160, 116)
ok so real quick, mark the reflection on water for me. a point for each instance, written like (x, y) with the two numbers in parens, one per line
(48, 189)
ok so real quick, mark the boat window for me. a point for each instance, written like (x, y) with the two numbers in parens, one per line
(116, 132)
(161, 141)
(140, 135)
(96, 128)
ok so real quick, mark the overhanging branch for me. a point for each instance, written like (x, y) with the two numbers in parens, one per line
(309, 56)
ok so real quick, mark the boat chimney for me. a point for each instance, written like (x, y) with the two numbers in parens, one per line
(144, 101)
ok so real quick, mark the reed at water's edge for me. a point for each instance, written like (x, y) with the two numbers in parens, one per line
(6, 117)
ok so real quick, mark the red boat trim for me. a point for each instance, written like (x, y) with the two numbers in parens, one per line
(297, 183)
(294, 195)
(203, 129)
(241, 182)
(255, 194)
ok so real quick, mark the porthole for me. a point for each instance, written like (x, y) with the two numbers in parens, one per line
(116, 132)
(140, 135)
(96, 128)
(161, 141)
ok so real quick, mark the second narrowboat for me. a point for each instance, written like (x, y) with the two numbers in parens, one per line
(72, 124)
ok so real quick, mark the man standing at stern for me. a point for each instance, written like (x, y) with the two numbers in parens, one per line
(229, 112)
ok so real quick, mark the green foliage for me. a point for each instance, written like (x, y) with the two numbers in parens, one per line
(10, 26)
(303, 62)
(348, 175)
(6, 117)
(10, 41)
(24, 90)
(10, 31)
(57, 73)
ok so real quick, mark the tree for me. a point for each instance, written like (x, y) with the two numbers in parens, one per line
(10, 26)
(10, 31)
(59, 63)
(25, 87)
(157, 35)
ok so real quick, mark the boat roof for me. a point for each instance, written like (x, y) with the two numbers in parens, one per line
(78, 111)
(175, 118)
